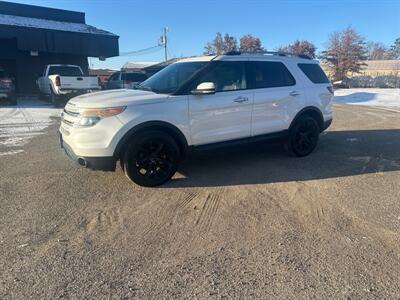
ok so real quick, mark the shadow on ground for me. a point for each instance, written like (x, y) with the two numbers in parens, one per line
(339, 153)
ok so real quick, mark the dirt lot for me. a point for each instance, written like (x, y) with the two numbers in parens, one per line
(244, 223)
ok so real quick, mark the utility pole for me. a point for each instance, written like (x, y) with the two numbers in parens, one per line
(165, 43)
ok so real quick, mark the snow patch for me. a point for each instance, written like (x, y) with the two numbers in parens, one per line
(388, 98)
(19, 124)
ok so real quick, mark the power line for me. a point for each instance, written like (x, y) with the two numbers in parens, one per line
(141, 51)
(162, 44)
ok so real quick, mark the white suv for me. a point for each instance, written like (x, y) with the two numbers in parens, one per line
(195, 103)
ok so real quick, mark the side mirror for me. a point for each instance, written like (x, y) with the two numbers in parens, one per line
(204, 88)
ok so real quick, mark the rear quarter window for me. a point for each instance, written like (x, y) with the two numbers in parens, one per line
(314, 73)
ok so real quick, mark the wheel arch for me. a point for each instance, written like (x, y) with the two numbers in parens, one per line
(311, 111)
(163, 126)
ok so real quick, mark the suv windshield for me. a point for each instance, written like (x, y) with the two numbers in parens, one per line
(169, 79)
(65, 71)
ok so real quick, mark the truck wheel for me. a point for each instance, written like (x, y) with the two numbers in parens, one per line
(151, 158)
(303, 136)
(54, 99)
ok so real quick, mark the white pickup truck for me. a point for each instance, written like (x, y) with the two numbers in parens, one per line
(65, 81)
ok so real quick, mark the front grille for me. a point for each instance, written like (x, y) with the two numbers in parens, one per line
(71, 113)
(67, 122)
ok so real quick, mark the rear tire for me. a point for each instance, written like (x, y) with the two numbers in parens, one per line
(54, 99)
(303, 137)
(151, 158)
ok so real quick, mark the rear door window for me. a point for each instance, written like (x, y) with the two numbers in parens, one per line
(314, 73)
(268, 74)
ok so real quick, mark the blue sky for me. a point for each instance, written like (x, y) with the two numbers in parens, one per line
(192, 23)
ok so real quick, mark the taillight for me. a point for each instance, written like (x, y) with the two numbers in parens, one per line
(58, 82)
(330, 89)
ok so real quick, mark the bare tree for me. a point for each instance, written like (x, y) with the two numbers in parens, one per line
(299, 47)
(249, 43)
(221, 44)
(377, 51)
(345, 53)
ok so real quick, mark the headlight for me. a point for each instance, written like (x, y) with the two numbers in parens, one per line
(87, 121)
(91, 116)
(101, 112)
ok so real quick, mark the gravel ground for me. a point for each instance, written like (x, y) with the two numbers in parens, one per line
(239, 223)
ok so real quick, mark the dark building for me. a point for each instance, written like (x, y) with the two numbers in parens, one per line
(32, 37)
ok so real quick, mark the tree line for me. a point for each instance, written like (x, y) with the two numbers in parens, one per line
(346, 50)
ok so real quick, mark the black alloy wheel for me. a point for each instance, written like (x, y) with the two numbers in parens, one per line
(151, 158)
(303, 136)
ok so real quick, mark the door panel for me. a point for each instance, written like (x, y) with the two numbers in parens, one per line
(217, 117)
(277, 96)
(273, 109)
(225, 115)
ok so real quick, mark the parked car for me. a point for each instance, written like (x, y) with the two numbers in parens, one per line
(197, 103)
(124, 80)
(7, 88)
(65, 81)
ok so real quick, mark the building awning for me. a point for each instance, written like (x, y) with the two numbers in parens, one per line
(43, 35)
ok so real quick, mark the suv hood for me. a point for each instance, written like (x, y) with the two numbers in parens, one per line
(113, 98)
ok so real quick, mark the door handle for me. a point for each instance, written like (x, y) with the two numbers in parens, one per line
(241, 99)
(294, 93)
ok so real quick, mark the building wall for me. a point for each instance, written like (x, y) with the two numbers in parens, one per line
(375, 73)
(26, 68)
(373, 68)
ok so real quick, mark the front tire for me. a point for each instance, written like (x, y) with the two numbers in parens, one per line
(303, 136)
(151, 159)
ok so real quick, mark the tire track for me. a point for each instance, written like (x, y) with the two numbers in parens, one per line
(9, 115)
(185, 201)
(28, 119)
(163, 218)
(209, 211)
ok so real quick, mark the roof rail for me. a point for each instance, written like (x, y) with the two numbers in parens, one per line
(277, 53)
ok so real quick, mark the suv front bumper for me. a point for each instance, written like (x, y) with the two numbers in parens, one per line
(107, 163)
